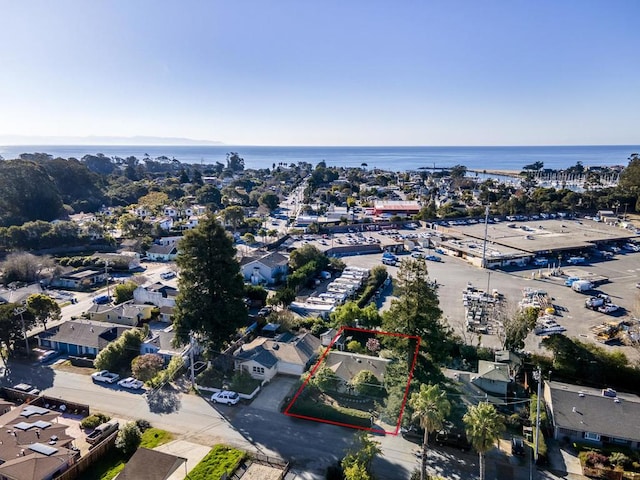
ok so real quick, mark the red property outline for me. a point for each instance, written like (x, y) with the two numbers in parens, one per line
(317, 365)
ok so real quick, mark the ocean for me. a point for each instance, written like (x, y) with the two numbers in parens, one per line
(388, 158)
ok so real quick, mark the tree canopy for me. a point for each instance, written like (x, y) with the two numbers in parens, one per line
(210, 302)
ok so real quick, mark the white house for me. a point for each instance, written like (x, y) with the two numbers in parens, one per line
(170, 211)
(286, 355)
(157, 294)
(162, 253)
(196, 210)
(165, 223)
(159, 342)
(270, 269)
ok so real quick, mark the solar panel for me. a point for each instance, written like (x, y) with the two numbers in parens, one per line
(33, 410)
(43, 449)
(42, 424)
(23, 426)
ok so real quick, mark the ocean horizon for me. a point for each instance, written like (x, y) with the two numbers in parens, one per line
(387, 158)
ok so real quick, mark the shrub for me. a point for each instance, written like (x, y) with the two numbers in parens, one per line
(593, 459)
(92, 421)
(128, 439)
(143, 425)
(354, 346)
(619, 459)
(145, 367)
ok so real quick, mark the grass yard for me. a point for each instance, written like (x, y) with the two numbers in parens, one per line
(154, 437)
(221, 459)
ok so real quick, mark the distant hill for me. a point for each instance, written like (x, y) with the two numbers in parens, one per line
(101, 140)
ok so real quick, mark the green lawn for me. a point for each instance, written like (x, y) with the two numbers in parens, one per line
(219, 460)
(155, 437)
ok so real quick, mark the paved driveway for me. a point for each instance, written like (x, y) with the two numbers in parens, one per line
(271, 396)
(181, 448)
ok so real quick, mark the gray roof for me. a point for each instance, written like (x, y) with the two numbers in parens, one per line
(270, 260)
(85, 332)
(593, 411)
(148, 464)
(163, 249)
(259, 355)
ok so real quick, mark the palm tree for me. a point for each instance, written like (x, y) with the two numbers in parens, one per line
(484, 427)
(431, 407)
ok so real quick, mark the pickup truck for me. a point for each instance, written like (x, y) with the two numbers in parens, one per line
(104, 376)
(102, 431)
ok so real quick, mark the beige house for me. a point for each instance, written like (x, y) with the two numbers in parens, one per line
(286, 354)
(124, 314)
(492, 377)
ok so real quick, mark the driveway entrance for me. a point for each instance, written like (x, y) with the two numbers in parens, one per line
(271, 396)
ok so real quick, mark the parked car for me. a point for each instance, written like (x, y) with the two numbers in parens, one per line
(25, 387)
(433, 258)
(102, 299)
(48, 356)
(517, 446)
(167, 275)
(225, 396)
(104, 376)
(264, 312)
(452, 438)
(412, 432)
(131, 383)
(102, 431)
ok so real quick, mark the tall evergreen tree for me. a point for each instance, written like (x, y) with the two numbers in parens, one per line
(210, 302)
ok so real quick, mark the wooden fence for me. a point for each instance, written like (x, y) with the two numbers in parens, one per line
(95, 454)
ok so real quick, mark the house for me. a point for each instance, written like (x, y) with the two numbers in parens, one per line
(196, 210)
(81, 279)
(271, 268)
(512, 360)
(156, 294)
(347, 365)
(165, 223)
(126, 313)
(141, 211)
(80, 337)
(160, 342)
(166, 314)
(593, 415)
(492, 377)
(34, 445)
(173, 240)
(171, 212)
(327, 337)
(148, 464)
(19, 295)
(162, 253)
(286, 354)
(191, 222)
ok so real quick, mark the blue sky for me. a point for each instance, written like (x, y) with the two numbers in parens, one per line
(330, 72)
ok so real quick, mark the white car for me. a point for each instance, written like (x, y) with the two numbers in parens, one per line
(167, 275)
(225, 396)
(131, 383)
(104, 376)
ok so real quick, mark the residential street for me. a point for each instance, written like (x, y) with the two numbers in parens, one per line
(309, 446)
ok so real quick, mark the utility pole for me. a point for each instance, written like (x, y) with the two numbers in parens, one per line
(106, 272)
(484, 245)
(538, 377)
(19, 311)
(191, 346)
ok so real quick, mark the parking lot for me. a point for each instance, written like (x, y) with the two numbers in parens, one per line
(453, 275)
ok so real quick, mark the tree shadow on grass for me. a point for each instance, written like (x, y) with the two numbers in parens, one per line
(164, 401)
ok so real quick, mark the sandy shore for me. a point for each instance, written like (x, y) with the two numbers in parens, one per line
(505, 173)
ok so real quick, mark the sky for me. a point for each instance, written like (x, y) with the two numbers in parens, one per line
(330, 72)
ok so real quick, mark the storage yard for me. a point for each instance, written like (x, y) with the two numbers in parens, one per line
(612, 275)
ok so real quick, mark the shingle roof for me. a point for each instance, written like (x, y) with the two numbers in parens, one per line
(85, 332)
(297, 351)
(259, 355)
(493, 371)
(148, 464)
(162, 249)
(273, 260)
(594, 412)
(348, 365)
